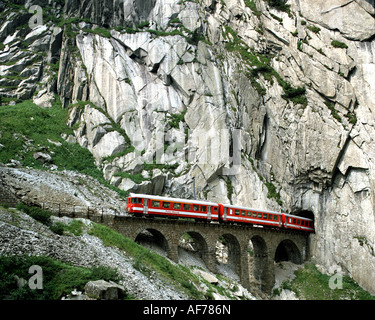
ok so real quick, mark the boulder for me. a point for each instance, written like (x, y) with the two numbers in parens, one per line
(43, 157)
(206, 276)
(103, 290)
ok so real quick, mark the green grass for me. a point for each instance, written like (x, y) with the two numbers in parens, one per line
(147, 261)
(175, 119)
(310, 284)
(257, 64)
(75, 227)
(338, 44)
(43, 216)
(58, 278)
(251, 4)
(272, 192)
(314, 29)
(279, 5)
(331, 107)
(100, 31)
(136, 178)
(26, 128)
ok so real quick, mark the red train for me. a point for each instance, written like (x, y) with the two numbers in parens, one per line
(156, 206)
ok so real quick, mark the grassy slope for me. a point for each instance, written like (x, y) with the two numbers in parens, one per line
(58, 278)
(311, 284)
(61, 278)
(26, 128)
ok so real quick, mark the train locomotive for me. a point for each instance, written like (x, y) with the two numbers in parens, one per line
(142, 205)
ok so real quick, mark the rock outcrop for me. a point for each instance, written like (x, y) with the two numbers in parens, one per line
(104, 290)
(66, 190)
(265, 106)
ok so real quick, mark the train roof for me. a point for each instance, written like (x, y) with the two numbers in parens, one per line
(148, 196)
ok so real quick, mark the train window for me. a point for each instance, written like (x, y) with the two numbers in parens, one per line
(166, 204)
(294, 221)
(215, 209)
(243, 213)
(204, 208)
(248, 213)
(187, 206)
(155, 204)
(140, 200)
(254, 214)
(195, 207)
(177, 206)
(237, 212)
(270, 216)
(134, 200)
(264, 216)
(276, 218)
(259, 215)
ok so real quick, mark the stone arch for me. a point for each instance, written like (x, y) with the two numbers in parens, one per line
(154, 240)
(193, 244)
(287, 250)
(233, 249)
(258, 262)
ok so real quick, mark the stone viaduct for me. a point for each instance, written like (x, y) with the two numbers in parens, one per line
(252, 251)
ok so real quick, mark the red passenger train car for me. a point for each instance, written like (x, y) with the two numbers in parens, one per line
(156, 206)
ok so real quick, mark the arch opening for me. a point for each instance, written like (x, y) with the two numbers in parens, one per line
(258, 266)
(192, 249)
(228, 256)
(153, 240)
(288, 251)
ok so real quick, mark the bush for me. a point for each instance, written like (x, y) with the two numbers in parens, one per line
(58, 228)
(338, 44)
(58, 278)
(43, 216)
(279, 5)
(314, 29)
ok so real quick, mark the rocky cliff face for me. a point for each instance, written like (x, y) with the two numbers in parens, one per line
(265, 103)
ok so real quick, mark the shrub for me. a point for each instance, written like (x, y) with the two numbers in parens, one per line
(279, 5)
(314, 29)
(43, 216)
(251, 4)
(100, 31)
(58, 278)
(338, 44)
(58, 228)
